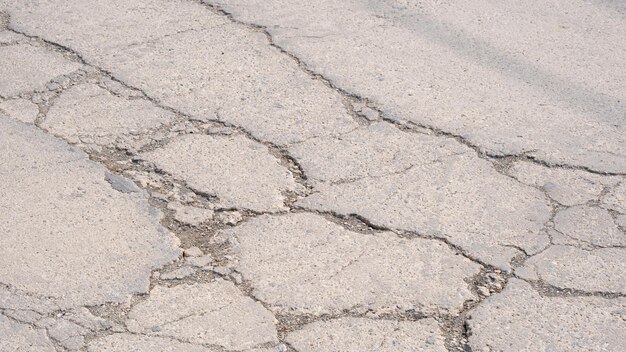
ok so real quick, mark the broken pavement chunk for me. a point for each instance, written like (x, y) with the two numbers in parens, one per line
(65, 230)
(430, 185)
(240, 172)
(591, 225)
(304, 263)
(359, 334)
(598, 270)
(20, 109)
(139, 343)
(21, 337)
(216, 313)
(88, 112)
(566, 186)
(26, 68)
(519, 319)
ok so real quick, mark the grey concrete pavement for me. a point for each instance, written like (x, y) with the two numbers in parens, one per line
(228, 175)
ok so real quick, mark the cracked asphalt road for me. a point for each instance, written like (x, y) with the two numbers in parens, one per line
(394, 175)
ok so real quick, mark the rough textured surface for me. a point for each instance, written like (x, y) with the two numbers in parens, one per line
(20, 109)
(267, 93)
(343, 175)
(190, 215)
(616, 198)
(445, 198)
(239, 171)
(356, 334)
(374, 151)
(28, 67)
(304, 263)
(215, 314)
(60, 243)
(568, 187)
(520, 319)
(138, 343)
(16, 337)
(600, 270)
(90, 114)
(590, 225)
(447, 64)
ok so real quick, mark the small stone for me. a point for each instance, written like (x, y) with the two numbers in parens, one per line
(237, 277)
(121, 184)
(178, 274)
(199, 261)
(190, 215)
(484, 291)
(192, 252)
(222, 270)
(229, 217)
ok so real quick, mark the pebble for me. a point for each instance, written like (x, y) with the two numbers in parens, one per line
(222, 270)
(229, 217)
(179, 273)
(199, 261)
(192, 252)
(483, 290)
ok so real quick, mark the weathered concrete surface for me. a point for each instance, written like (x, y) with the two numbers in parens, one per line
(520, 319)
(372, 152)
(65, 230)
(267, 93)
(20, 109)
(448, 65)
(438, 196)
(139, 343)
(568, 187)
(28, 67)
(304, 263)
(616, 198)
(90, 114)
(598, 270)
(213, 314)
(16, 337)
(591, 225)
(443, 123)
(357, 334)
(240, 172)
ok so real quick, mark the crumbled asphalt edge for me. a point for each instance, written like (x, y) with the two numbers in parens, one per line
(116, 161)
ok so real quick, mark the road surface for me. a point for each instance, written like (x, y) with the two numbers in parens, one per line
(394, 175)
